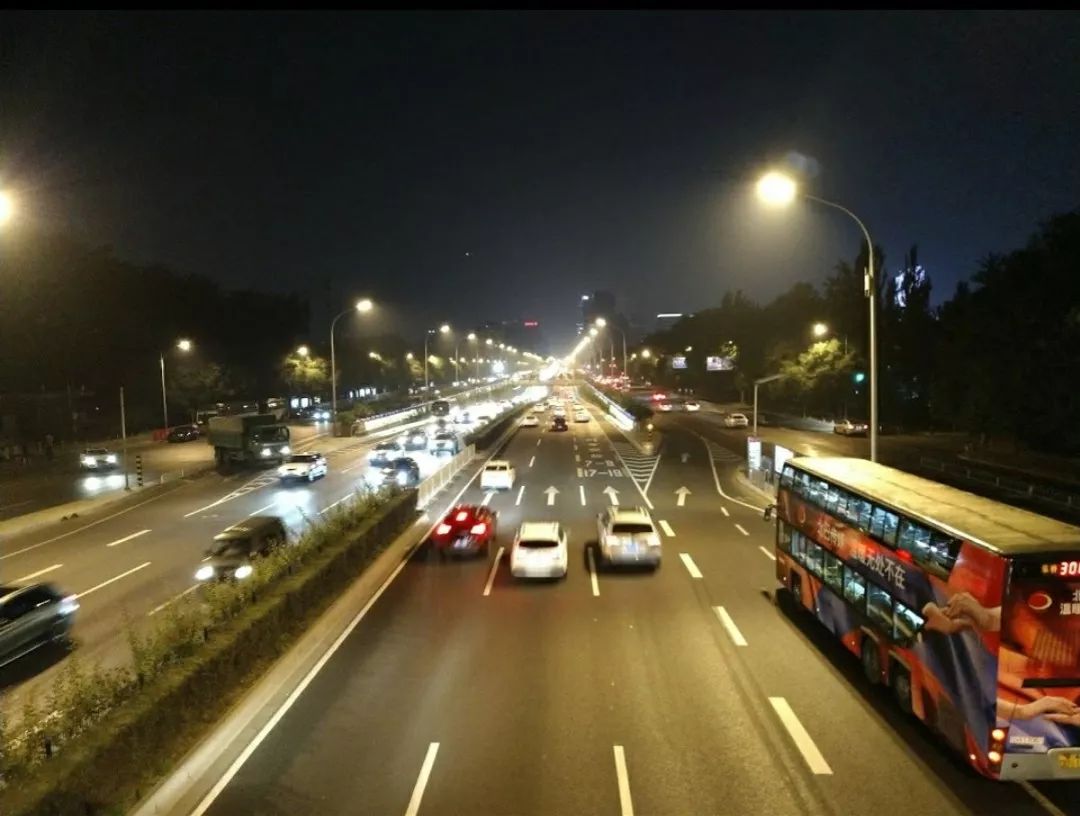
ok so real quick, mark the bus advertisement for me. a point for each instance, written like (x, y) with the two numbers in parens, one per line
(967, 609)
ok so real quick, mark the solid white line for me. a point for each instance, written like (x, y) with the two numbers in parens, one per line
(34, 575)
(768, 554)
(127, 538)
(592, 572)
(729, 624)
(667, 529)
(741, 529)
(716, 479)
(633, 478)
(494, 569)
(581, 488)
(521, 492)
(487, 497)
(648, 483)
(626, 806)
(174, 599)
(422, 780)
(84, 527)
(691, 567)
(261, 510)
(799, 734)
(143, 565)
(531, 461)
(1039, 797)
(724, 511)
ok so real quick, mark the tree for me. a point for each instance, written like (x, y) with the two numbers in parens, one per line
(305, 373)
(193, 382)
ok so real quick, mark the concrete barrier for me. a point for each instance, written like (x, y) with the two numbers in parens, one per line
(433, 484)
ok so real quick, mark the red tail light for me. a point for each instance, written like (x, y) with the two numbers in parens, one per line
(443, 529)
(479, 529)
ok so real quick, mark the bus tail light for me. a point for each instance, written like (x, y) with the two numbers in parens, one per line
(997, 746)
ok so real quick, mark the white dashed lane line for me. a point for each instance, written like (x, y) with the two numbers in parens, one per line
(729, 624)
(766, 553)
(667, 529)
(741, 529)
(37, 574)
(691, 567)
(800, 736)
(127, 538)
(104, 584)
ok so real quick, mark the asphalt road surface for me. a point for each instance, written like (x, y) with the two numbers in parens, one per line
(680, 691)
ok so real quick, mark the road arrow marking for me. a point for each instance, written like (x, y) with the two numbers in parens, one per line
(551, 494)
(613, 494)
(682, 493)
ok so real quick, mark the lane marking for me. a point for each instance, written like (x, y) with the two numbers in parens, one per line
(487, 497)
(667, 529)
(422, 780)
(768, 554)
(741, 529)
(521, 492)
(127, 538)
(581, 488)
(732, 630)
(34, 575)
(261, 510)
(330, 507)
(626, 806)
(494, 569)
(579, 474)
(174, 599)
(1041, 798)
(84, 527)
(538, 441)
(691, 567)
(592, 572)
(716, 479)
(533, 459)
(724, 511)
(114, 579)
(577, 458)
(802, 739)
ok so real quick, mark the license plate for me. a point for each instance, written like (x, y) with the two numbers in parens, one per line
(1068, 760)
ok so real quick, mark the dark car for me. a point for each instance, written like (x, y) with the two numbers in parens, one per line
(559, 424)
(466, 529)
(235, 549)
(403, 472)
(183, 433)
(33, 616)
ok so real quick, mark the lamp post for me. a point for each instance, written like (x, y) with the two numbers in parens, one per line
(181, 345)
(476, 362)
(361, 306)
(443, 329)
(762, 381)
(780, 190)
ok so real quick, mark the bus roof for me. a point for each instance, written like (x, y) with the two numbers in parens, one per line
(996, 526)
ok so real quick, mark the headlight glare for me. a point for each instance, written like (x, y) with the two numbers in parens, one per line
(243, 572)
(204, 573)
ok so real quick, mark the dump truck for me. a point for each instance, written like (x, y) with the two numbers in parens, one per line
(248, 440)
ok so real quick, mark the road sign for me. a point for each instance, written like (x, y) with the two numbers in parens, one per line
(753, 452)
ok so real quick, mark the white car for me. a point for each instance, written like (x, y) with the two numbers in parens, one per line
(539, 551)
(664, 406)
(540, 407)
(306, 466)
(627, 535)
(498, 474)
(581, 416)
(98, 459)
(558, 411)
(385, 452)
(530, 421)
(736, 421)
(691, 405)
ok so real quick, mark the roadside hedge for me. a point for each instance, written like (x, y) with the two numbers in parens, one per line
(114, 734)
(639, 412)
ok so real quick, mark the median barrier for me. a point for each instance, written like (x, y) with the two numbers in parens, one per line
(434, 483)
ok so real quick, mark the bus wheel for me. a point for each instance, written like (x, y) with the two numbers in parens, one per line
(871, 661)
(901, 687)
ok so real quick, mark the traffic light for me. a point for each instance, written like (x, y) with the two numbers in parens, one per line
(858, 377)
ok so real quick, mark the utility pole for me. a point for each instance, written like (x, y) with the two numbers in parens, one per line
(123, 435)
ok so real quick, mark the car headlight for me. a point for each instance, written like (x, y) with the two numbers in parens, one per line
(204, 573)
(265, 452)
(282, 470)
(285, 450)
(243, 572)
(89, 461)
(111, 458)
(402, 477)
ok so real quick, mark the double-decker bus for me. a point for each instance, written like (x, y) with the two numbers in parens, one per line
(966, 608)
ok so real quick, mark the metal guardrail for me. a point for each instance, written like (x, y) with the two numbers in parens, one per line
(434, 483)
(373, 423)
(619, 415)
(1007, 484)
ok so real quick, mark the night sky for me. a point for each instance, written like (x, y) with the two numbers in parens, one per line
(493, 166)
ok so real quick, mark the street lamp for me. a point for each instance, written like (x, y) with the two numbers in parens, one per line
(820, 330)
(645, 354)
(443, 329)
(778, 189)
(471, 337)
(303, 351)
(7, 207)
(362, 307)
(182, 345)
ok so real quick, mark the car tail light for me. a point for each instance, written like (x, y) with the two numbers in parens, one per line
(443, 529)
(461, 516)
(479, 529)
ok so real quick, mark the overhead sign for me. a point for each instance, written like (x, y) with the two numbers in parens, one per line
(753, 452)
(719, 363)
(781, 455)
(678, 361)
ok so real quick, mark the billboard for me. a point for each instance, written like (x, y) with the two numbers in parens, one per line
(753, 452)
(678, 361)
(719, 363)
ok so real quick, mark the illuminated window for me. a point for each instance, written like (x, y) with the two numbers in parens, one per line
(855, 589)
(879, 606)
(783, 537)
(907, 623)
(813, 557)
(833, 571)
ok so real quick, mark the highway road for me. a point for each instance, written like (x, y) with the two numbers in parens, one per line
(684, 691)
(131, 559)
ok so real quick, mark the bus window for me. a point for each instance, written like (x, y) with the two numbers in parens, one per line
(879, 606)
(831, 498)
(907, 623)
(883, 524)
(843, 499)
(819, 490)
(783, 537)
(813, 557)
(833, 571)
(942, 553)
(802, 484)
(798, 547)
(863, 509)
(855, 589)
(787, 478)
(906, 540)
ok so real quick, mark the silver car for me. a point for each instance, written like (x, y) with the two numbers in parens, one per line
(33, 616)
(627, 535)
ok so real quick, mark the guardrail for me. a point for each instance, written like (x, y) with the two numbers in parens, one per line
(619, 415)
(373, 423)
(434, 483)
(1007, 484)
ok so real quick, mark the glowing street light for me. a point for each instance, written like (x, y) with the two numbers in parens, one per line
(776, 189)
(374, 355)
(645, 354)
(600, 322)
(362, 306)
(7, 207)
(185, 345)
(443, 329)
(303, 351)
(820, 330)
